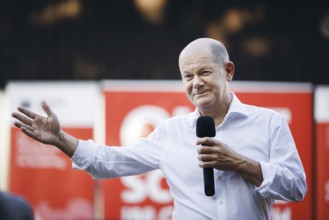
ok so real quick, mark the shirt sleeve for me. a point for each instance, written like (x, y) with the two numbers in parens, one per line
(110, 162)
(283, 175)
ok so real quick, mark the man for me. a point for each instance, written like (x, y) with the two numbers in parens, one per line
(253, 152)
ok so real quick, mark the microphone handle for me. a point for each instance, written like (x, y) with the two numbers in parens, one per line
(208, 178)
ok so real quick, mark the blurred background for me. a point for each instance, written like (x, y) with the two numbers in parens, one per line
(141, 39)
(91, 41)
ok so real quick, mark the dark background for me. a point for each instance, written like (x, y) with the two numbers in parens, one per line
(114, 39)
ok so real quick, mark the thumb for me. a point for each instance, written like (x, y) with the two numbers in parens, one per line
(46, 108)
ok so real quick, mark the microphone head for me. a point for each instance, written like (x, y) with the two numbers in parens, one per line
(205, 127)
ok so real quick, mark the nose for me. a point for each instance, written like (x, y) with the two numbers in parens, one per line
(197, 81)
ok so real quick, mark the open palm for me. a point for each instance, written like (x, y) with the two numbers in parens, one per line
(43, 129)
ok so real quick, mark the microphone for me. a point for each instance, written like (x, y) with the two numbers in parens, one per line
(205, 127)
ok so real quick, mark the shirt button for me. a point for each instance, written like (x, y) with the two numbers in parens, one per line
(221, 202)
(219, 177)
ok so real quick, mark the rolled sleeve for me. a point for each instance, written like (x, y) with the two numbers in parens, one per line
(84, 155)
(281, 183)
(268, 173)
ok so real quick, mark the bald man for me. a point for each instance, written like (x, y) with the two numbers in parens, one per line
(253, 154)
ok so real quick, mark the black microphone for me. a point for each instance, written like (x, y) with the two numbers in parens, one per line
(205, 127)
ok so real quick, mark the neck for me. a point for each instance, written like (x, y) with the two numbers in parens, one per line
(219, 112)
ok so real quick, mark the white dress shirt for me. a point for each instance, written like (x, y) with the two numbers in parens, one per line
(258, 133)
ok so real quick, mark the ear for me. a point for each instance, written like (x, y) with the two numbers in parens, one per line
(229, 68)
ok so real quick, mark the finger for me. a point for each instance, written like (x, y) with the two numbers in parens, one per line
(206, 164)
(205, 157)
(46, 108)
(205, 149)
(206, 141)
(23, 119)
(28, 132)
(20, 124)
(24, 127)
(27, 112)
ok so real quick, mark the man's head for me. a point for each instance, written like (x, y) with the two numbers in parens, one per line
(216, 48)
(206, 70)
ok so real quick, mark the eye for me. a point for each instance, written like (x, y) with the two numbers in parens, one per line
(188, 77)
(206, 73)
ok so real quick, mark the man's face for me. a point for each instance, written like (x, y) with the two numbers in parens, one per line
(205, 80)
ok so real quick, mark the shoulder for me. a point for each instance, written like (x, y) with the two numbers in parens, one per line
(253, 109)
(177, 122)
(275, 115)
(10, 203)
(178, 119)
(10, 198)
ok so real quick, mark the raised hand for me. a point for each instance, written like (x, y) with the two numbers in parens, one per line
(46, 130)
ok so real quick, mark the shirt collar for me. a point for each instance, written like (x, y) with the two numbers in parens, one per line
(237, 108)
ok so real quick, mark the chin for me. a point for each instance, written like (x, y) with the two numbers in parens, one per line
(201, 103)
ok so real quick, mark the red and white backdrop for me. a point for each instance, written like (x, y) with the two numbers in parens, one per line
(321, 112)
(134, 108)
(41, 173)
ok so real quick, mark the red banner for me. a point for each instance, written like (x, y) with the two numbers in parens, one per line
(44, 176)
(321, 110)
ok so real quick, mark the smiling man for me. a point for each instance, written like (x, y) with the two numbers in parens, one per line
(206, 72)
(253, 153)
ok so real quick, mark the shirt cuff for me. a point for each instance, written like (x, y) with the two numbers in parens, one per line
(268, 175)
(84, 155)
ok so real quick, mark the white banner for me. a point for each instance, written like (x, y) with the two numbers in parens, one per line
(321, 104)
(73, 102)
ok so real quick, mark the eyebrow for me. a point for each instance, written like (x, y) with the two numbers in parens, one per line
(203, 67)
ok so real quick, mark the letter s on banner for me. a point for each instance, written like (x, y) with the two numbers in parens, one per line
(139, 189)
(136, 191)
(155, 191)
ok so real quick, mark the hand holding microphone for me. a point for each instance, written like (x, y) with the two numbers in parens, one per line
(218, 155)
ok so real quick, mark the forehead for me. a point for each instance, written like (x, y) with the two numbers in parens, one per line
(191, 60)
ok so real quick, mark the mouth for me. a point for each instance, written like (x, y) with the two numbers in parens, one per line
(199, 93)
